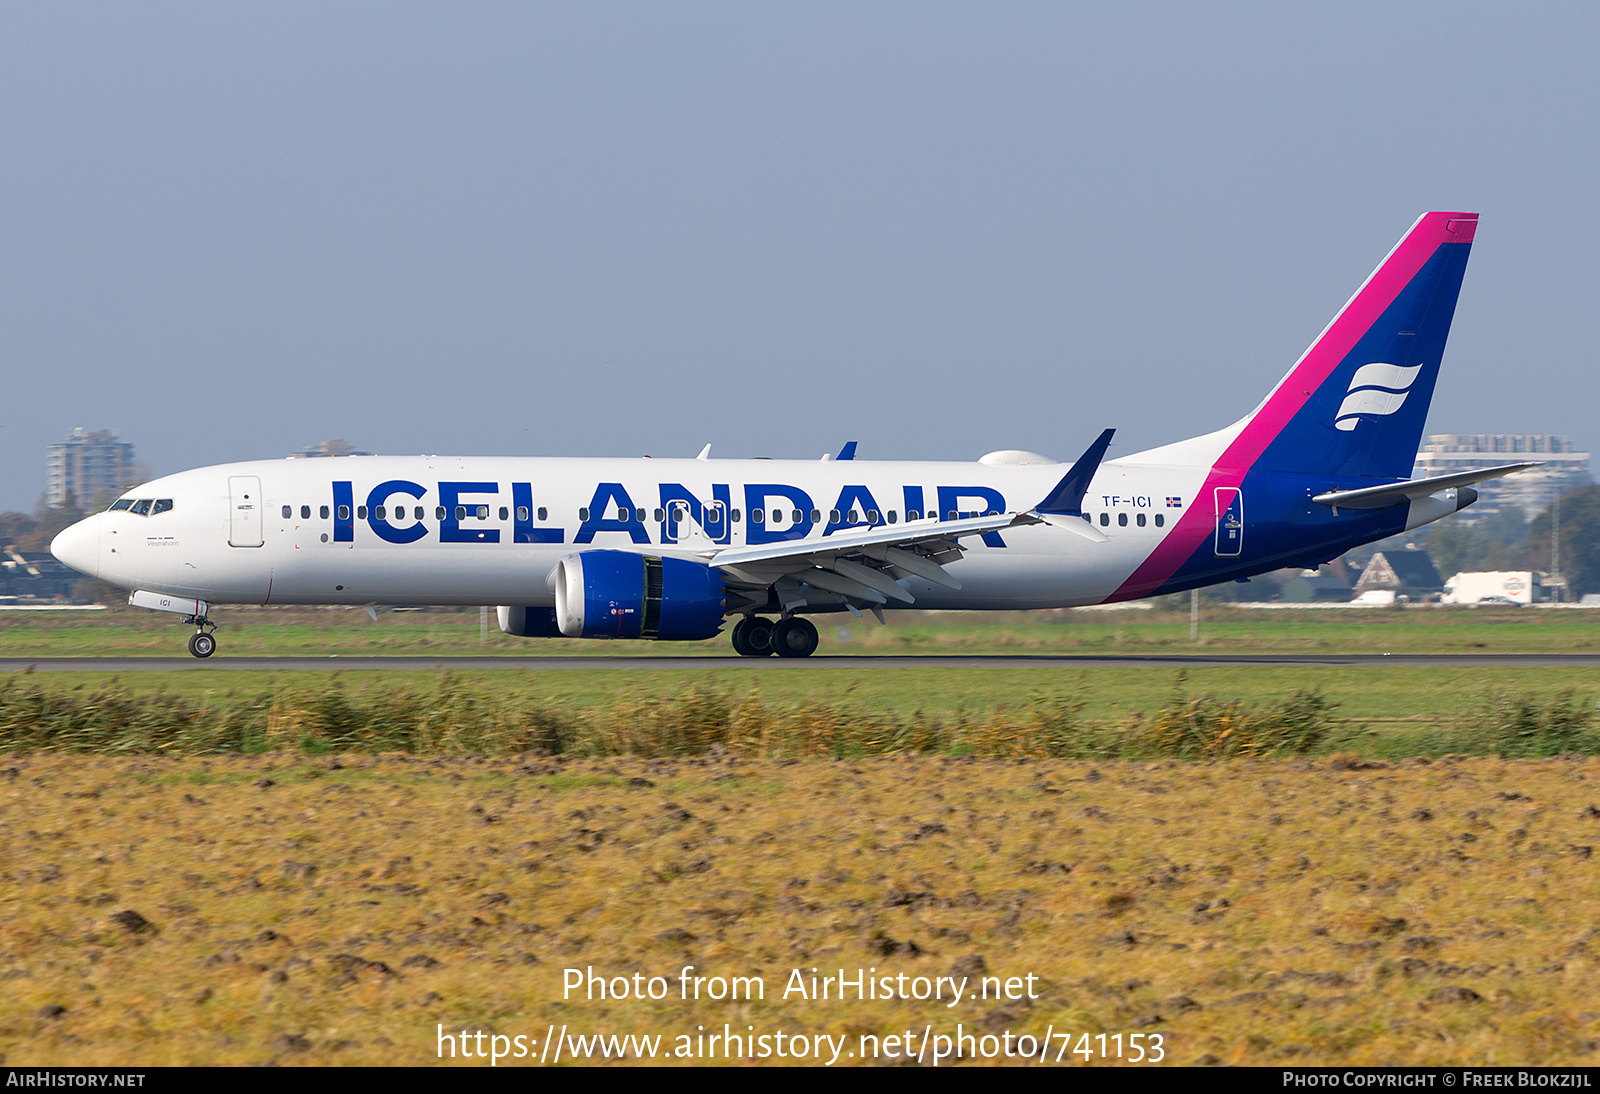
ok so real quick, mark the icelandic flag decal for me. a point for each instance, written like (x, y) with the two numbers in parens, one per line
(1174, 503)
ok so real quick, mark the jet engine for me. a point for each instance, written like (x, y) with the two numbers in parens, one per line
(619, 594)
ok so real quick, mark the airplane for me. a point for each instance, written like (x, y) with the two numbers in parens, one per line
(675, 549)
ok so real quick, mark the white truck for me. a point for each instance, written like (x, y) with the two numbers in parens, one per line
(1499, 587)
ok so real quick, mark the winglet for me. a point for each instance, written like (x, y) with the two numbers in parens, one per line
(1067, 498)
(848, 452)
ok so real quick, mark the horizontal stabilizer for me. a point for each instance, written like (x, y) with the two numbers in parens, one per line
(1379, 497)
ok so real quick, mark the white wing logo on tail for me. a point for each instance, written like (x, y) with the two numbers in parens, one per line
(1376, 389)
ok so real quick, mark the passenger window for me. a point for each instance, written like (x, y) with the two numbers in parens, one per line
(638, 515)
(777, 516)
(951, 515)
(305, 512)
(504, 512)
(872, 516)
(1122, 520)
(833, 516)
(344, 512)
(1105, 519)
(734, 516)
(544, 514)
(797, 516)
(361, 512)
(288, 512)
(120, 503)
(438, 512)
(1160, 520)
(461, 512)
(522, 513)
(324, 512)
(1140, 520)
(162, 505)
(583, 513)
(758, 516)
(913, 514)
(381, 512)
(661, 515)
(483, 512)
(892, 516)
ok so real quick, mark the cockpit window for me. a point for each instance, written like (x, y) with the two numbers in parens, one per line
(144, 507)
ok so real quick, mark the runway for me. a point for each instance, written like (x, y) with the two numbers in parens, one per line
(706, 664)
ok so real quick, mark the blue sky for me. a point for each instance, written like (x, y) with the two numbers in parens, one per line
(228, 231)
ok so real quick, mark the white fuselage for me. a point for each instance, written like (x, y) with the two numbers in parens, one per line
(491, 529)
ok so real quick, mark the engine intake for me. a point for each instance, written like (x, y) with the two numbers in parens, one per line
(619, 594)
(528, 622)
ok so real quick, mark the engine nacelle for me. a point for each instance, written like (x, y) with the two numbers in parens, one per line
(619, 594)
(525, 622)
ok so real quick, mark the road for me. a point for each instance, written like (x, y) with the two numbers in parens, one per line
(677, 664)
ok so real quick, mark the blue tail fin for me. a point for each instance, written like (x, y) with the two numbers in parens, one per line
(1356, 401)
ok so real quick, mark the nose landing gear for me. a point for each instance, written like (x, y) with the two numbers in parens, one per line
(203, 643)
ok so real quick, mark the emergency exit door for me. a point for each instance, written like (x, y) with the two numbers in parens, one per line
(244, 527)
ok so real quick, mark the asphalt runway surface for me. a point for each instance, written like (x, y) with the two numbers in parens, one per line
(223, 663)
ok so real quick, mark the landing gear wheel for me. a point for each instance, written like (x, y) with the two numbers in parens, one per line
(202, 644)
(794, 637)
(758, 636)
(752, 637)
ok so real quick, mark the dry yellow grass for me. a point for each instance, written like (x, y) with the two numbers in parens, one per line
(1258, 911)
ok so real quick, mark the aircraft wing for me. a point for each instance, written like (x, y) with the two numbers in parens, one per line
(867, 565)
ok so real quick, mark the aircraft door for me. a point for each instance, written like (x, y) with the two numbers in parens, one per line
(1230, 522)
(245, 509)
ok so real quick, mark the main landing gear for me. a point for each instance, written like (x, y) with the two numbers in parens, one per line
(790, 637)
(203, 643)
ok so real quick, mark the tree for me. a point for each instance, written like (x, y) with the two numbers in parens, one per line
(1506, 528)
(14, 526)
(1455, 546)
(1580, 540)
(50, 522)
(1460, 544)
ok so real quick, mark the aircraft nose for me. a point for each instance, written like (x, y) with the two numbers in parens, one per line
(79, 546)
